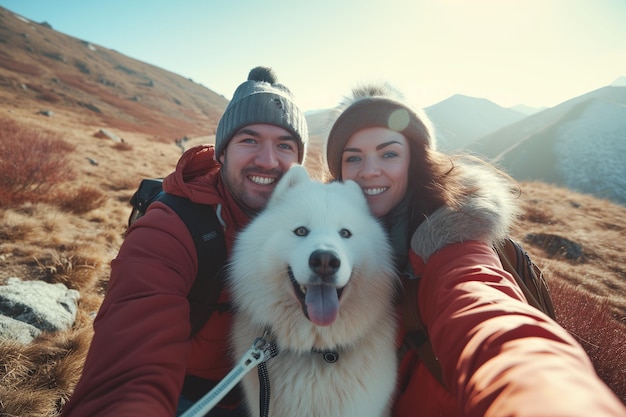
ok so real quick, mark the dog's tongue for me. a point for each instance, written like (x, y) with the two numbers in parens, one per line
(322, 304)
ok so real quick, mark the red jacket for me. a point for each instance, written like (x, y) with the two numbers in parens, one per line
(499, 356)
(141, 350)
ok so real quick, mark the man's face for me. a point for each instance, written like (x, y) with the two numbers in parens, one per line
(254, 160)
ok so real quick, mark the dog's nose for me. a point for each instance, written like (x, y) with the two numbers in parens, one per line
(324, 263)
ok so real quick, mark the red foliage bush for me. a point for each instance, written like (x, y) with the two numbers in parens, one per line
(20, 67)
(123, 146)
(30, 160)
(79, 200)
(49, 97)
(588, 318)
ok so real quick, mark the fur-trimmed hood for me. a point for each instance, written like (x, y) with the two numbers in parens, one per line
(486, 214)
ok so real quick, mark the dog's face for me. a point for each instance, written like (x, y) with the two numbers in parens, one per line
(309, 254)
(321, 259)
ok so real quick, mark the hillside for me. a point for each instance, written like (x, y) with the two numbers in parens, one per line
(42, 70)
(585, 151)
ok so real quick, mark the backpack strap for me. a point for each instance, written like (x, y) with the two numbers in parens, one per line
(148, 191)
(530, 279)
(208, 236)
(416, 333)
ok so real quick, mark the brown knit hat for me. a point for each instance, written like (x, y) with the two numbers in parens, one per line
(376, 105)
(261, 99)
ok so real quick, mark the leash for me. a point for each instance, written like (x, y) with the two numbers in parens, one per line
(259, 352)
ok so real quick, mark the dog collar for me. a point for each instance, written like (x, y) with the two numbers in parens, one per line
(330, 356)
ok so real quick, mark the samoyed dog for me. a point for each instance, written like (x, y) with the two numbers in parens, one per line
(312, 274)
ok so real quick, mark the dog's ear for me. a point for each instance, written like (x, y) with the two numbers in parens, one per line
(296, 175)
(354, 188)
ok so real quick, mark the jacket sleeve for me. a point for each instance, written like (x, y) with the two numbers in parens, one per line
(501, 357)
(136, 363)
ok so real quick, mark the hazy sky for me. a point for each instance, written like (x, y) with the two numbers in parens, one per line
(532, 52)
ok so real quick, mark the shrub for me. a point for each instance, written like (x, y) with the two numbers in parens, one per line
(11, 229)
(123, 146)
(79, 200)
(49, 97)
(30, 160)
(75, 268)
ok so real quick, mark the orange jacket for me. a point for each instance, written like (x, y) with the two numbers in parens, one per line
(141, 350)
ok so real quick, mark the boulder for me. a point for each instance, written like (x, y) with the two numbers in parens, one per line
(28, 305)
(17, 330)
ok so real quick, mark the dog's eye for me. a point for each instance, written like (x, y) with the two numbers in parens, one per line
(345, 233)
(301, 231)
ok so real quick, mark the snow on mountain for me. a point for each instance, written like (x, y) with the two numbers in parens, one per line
(583, 149)
(592, 151)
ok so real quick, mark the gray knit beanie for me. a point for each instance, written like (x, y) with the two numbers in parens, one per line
(376, 105)
(261, 99)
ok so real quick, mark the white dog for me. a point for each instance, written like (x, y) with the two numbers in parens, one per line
(313, 272)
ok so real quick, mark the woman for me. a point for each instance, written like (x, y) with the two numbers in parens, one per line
(499, 356)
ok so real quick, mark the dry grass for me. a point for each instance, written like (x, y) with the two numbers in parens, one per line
(36, 380)
(596, 226)
(589, 319)
(72, 234)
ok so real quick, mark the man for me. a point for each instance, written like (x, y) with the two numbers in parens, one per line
(141, 352)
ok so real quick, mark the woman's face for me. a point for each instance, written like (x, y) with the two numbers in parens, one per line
(378, 160)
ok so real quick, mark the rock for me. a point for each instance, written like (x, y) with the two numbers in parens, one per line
(35, 304)
(17, 330)
(556, 245)
(110, 135)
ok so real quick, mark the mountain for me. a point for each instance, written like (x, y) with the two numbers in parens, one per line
(459, 120)
(579, 144)
(493, 144)
(43, 70)
(527, 110)
(619, 82)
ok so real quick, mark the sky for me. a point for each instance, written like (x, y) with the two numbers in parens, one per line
(537, 53)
